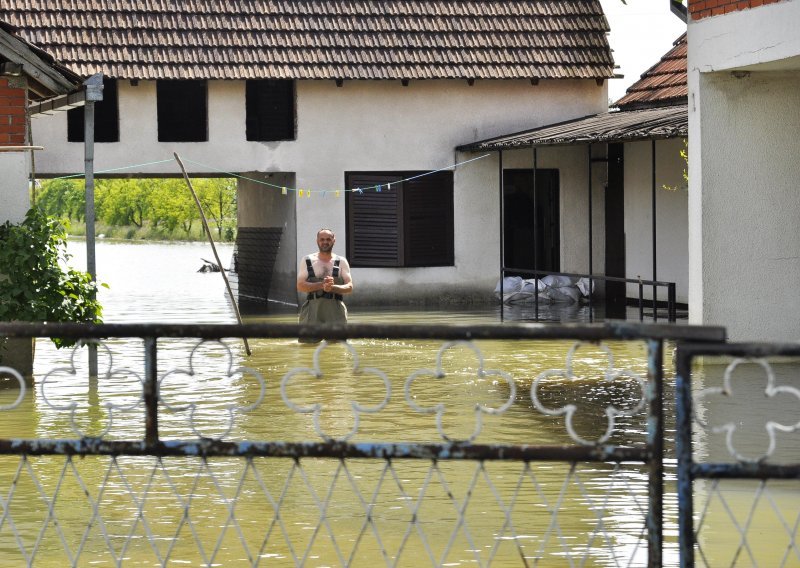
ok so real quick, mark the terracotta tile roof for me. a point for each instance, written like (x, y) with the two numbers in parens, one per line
(323, 39)
(663, 84)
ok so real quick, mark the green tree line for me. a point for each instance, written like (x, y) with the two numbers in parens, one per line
(162, 207)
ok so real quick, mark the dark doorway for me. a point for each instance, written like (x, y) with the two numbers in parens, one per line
(518, 237)
(615, 232)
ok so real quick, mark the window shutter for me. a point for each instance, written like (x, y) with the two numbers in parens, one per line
(428, 206)
(182, 108)
(269, 110)
(106, 117)
(374, 231)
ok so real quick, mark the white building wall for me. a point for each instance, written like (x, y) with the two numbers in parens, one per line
(363, 125)
(14, 197)
(744, 172)
(672, 246)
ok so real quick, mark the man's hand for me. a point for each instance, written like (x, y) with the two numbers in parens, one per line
(327, 284)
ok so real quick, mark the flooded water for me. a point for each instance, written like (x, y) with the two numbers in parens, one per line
(319, 512)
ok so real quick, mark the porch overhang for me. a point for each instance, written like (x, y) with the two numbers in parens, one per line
(607, 127)
(644, 124)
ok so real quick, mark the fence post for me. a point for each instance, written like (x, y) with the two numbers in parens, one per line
(671, 301)
(150, 391)
(683, 449)
(655, 442)
(641, 300)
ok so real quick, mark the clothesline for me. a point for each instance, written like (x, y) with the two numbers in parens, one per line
(286, 189)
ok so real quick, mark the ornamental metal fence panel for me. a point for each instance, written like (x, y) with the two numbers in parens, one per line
(381, 444)
(738, 449)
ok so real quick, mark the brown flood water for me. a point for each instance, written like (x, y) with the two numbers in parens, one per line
(179, 511)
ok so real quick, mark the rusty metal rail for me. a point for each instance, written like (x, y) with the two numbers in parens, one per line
(650, 454)
(736, 466)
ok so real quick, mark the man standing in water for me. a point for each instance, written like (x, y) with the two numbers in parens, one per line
(325, 278)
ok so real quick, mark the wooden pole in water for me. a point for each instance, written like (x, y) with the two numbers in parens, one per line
(213, 247)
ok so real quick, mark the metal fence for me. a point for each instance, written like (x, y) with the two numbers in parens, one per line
(202, 493)
(738, 469)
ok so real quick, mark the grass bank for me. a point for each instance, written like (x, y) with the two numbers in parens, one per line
(147, 232)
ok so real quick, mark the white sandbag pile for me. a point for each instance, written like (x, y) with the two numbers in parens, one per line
(551, 289)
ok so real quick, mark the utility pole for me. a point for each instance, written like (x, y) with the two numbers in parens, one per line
(94, 92)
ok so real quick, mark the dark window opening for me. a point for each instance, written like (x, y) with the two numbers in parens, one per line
(106, 117)
(409, 224)
(270, 110)
(531, 217)
(182, 110)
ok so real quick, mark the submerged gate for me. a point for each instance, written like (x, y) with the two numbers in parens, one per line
(371, 467)
(738, 494)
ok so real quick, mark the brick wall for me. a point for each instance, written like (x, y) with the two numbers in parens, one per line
(703, 8)
(12, 115)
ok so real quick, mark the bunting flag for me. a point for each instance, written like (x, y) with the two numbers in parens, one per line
(283, 191)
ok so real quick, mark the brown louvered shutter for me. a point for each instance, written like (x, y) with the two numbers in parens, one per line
(428, 220)
(374, 222)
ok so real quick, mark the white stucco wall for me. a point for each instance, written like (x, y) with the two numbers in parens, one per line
(363, 125)
(744, 172)
(672, 247)
(14, 198)
(258, 205)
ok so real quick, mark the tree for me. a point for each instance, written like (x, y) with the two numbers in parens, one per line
(123, 202)
(171, 205)
(218, 198)
(63, 198)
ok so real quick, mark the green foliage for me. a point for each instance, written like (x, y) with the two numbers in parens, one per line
(685, 155)
(63, 198)
(34, 284)
(218, 198)
(172, 207)
(149, 208)
(123, 202)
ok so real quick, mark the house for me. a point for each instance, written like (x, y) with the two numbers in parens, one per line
(744, 172)
(636, 229)
(28, 76)
(329, 113)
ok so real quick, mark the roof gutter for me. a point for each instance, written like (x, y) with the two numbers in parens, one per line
(677, 8)
(91, 90)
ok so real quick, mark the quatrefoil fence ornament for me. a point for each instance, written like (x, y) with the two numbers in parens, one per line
(611, 411)
(480, 409)
(22, 387)
(228, 371)
(316, 408)
(107, 376)
(729, 428)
